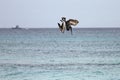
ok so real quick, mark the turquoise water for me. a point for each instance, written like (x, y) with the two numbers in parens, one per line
(47, 54)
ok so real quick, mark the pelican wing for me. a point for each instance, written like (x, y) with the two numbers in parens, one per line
(62, 26)
(73, 22)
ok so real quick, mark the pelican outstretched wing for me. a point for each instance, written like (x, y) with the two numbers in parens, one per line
(73, 22)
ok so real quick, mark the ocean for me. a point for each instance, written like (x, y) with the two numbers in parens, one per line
(48, 54)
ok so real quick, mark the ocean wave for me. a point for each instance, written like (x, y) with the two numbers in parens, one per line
(60, 64)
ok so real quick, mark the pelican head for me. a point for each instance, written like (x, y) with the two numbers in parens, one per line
(64, 18)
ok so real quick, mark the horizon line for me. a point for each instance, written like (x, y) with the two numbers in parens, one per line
(55, 27)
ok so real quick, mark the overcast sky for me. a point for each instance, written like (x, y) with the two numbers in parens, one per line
(46, 13)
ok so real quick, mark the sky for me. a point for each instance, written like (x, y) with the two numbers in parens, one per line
(47, 13)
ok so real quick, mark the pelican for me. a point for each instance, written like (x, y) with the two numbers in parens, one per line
(67, 24)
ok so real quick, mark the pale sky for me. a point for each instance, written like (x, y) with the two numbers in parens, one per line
(46, 13)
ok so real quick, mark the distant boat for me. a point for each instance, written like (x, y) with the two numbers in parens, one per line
(17, 27)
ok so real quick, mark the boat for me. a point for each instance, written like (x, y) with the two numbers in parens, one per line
(17, 27)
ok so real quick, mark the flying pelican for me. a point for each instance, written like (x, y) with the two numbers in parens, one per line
(67, 24)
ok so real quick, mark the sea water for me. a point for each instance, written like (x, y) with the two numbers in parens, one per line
(48, 54)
